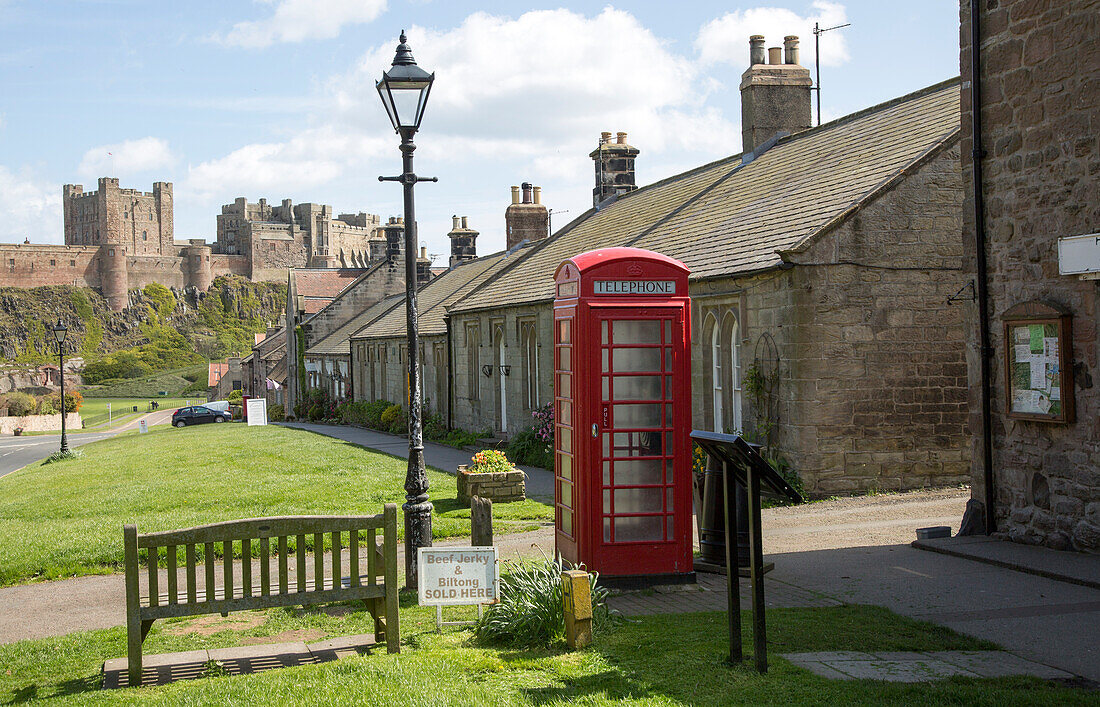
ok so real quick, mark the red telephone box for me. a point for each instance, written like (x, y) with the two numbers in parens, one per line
(622, 392)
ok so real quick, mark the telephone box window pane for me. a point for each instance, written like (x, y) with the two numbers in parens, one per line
(639, 529)
(668, 359)
(668, 501)
(566, 440)
(605, 368)
(565, 358)
(603, 330)
(637, 388)
(670, 530)
(606, 388)
(607, 473)
(564, 385)
(637, 500)
(668, 471)
(634, 331)
(564, 331)
(566, 416)
(668, 331)
(606, 502)
(637, 444)
(567, 495)
(637, 472)
(668, 415)
(566, 467)
(607, 530)
(567, 522)
(636, 360)
(638, 415)
(606, 444)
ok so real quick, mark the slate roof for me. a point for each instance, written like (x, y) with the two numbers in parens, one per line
(733, 216)
(435, 296)
(337, 342)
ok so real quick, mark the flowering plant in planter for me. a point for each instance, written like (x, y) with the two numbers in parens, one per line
(18, 431)
(488, 461)
(543, 426)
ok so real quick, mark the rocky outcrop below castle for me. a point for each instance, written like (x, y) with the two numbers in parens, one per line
(217, 322)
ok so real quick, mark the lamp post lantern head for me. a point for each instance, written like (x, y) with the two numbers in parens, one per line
(404, 90)
(59, 332)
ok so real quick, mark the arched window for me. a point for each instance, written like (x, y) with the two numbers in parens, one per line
(734, 358)
(144, 235)
(529, 334)
(716, 376)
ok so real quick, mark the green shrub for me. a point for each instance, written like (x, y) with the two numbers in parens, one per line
(526, 448)
(394, 420)
(236, 396)
(372, 415)
(276, 413)
(20, 404)
(48, 406)
(315, 413)
(530, 611)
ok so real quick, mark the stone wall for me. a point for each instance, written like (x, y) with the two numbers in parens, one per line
(37, 265)
(1041, 97)
(40, 423)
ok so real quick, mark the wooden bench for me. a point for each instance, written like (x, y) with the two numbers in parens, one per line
(341, 582)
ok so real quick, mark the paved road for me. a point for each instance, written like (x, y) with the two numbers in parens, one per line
(18, 452)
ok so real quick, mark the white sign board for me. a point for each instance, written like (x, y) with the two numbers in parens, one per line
(143, 426)
(1078, 255)
(257, 411)
(455, 576)
(634, 287)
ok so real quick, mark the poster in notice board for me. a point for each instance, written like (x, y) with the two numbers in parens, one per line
(1038, 362)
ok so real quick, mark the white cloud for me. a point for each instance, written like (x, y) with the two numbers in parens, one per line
(127, 158)
(726, 39)
(299, 20)
(29, 208)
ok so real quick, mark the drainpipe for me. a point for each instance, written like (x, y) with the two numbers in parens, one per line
(981, 288)
(351, 371)
(450, 371)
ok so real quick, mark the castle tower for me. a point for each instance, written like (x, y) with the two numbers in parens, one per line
(775, 97)
(526, 219)
(614, 163)
(463, 241)
(199, 271)
(395, 238)
(114, 279)
(162, 197)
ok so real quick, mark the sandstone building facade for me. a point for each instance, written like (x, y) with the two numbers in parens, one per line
(1037, 181)
(117, 239)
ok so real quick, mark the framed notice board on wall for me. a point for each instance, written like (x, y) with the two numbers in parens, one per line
(1039, 362)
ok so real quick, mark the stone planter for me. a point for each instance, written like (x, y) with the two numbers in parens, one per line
(500, 487)
(17, 432)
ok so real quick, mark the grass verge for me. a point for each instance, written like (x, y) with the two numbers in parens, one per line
(655, 660)
(66, 519)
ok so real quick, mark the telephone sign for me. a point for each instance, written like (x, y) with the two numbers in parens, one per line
(622, 392)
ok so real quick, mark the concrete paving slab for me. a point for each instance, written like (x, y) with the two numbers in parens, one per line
(994, 664)
(1074, 567)
(920, 666)
(899, 670)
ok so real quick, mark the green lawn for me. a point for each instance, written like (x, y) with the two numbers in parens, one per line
(179, 382)
(66, 519)
(654, 660)
(94, 410)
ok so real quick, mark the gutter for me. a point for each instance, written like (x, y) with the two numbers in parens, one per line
(982, 290)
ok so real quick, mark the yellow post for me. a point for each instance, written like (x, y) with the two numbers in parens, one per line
(577, 594)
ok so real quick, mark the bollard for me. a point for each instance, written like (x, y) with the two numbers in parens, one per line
(481, 521)
(576, 592)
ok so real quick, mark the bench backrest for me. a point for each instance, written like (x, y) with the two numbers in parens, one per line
(341, 578)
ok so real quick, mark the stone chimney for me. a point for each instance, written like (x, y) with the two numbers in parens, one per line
(614, 167)
(463, 241)
(423, 267)
(395, 238)
(525, 220)
(775, 96)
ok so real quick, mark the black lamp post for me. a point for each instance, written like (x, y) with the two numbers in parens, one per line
(404, 91)
(59, 333)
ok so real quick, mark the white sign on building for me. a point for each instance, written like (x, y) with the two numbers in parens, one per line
(455, 576)
(1079, 255)
(257, 411)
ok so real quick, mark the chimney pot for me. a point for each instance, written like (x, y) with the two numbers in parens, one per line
(605, 138)
(775, 55)
(620, 138)
(790, 49)
(538, 195)
(464, 222)
(756, 49)
(454, 223)
(515, 195)
(527, 192)
(424, 251)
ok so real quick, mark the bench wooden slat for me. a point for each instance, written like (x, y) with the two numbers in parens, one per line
(283, 573)
(245, 603)
(353, 558)
(246, 567)
(372, 560)
(389, 563)
(301, 563)
(173, 576)
(154, 576)
(318, 556)
(258, 528)
(337, 565)
(265, 567)
(208, 557)
(192, 583)
(227, 568)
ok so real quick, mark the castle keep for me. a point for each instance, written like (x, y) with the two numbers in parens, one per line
(116, 239)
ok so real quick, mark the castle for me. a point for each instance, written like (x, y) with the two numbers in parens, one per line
(118, 238)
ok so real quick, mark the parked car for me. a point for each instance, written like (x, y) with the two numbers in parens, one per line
(196, 415)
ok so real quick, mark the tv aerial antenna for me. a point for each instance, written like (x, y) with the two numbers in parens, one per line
(818, 31)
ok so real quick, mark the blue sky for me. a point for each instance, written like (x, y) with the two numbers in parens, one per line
(275, 98)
